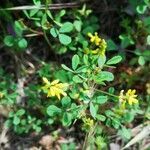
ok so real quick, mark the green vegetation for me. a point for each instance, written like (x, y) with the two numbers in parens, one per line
(66, 83)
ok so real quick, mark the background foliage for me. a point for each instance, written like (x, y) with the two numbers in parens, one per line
(75, 75)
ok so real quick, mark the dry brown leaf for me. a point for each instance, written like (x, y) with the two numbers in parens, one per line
(114, 146)
(46, 142)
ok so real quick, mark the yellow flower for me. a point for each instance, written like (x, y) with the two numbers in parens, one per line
(99, 43)
(88, 123)
(54, 88)
(103, 46)
(94, 38)
(1, 95)
(130, 97)
(121, 96)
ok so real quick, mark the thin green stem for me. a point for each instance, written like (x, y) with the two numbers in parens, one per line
(45, 36)
(73, 108)
(106, 93)
(109, 66)
(85, 141)
(88, 136)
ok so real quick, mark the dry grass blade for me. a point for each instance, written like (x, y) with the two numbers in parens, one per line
(4, 142)
(143, 134)
(51, 6)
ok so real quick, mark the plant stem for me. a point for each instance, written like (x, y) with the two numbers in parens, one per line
(45, 36)
(109, 66)
(106, 93)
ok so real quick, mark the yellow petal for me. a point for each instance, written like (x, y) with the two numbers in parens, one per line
(95, 51)
(61, 85)
(54, 82)
(96, 33)
(58, 95)
(45, 80)
(92, 39)
(130, 101)
(49, 93)
(52, 91)
(133, 92)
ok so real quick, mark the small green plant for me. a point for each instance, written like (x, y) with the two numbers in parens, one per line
(84, 97)
(17, 40)
(8, 89)
(22, 122)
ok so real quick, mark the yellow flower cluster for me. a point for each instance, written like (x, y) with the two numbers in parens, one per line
(88, 123)
(94, 39)
(129, 97)
(54, 88)
(99, 43)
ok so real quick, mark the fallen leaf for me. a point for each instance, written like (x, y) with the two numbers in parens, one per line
(143, 134)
